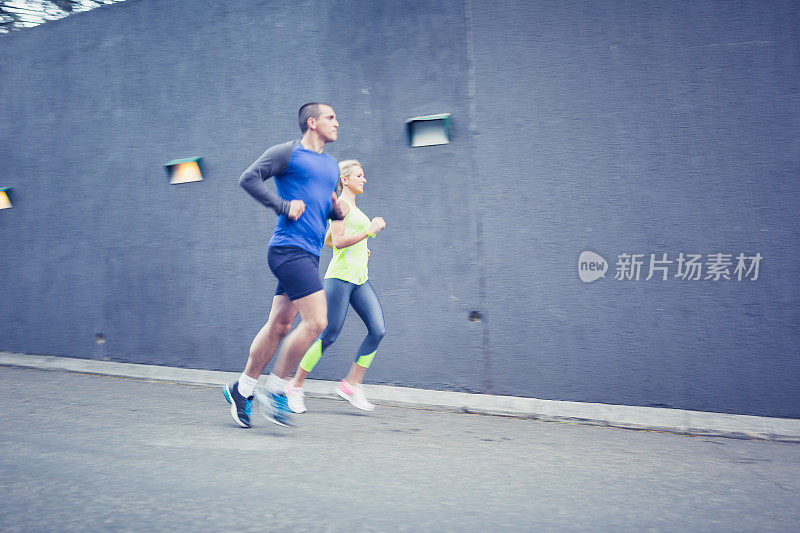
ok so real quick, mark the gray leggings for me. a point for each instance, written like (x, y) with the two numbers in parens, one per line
(341, 295)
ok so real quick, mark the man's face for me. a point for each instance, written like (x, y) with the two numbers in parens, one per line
(326, 124)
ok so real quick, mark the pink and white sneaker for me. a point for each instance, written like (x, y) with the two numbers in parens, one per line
(354, 394)
(295, 397)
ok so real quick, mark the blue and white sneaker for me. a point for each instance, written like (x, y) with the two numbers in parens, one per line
(240, 406)
(274, 407)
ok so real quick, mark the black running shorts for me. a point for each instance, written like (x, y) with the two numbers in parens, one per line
(297, 271)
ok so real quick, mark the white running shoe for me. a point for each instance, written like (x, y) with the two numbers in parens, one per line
(295, 397)
(354, 394)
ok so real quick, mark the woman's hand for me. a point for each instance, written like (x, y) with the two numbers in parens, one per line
(377, 224)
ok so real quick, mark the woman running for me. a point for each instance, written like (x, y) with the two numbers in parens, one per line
(346, 284)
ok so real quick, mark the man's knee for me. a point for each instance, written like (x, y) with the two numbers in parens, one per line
(280, 328)
(316, 324)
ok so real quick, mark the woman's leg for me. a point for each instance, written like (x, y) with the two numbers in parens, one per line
(366, 303)
(337, 294)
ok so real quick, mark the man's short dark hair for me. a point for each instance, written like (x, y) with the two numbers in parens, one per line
(307, 111)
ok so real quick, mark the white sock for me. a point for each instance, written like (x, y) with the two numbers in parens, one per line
(247, 385)
(275, 385)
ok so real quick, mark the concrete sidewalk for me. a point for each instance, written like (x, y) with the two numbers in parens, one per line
(85, 453)
(677, 421)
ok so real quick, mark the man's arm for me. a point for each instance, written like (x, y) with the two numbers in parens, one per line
(254, 179)
(339, 208)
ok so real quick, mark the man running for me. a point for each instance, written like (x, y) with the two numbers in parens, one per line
(305, 177)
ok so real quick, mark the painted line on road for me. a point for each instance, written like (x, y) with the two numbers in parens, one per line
(678, 421)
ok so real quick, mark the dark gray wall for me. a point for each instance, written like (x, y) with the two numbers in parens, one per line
(622, 127)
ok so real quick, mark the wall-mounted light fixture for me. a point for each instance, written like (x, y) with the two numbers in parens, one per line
(184, 170)
(5, 197)
(429, 130)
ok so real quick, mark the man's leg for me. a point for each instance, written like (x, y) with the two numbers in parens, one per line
(337, 298)
(313, 320)
(240, 393)
(279, 324)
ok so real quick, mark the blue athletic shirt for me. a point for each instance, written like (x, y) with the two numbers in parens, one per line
(300, 174)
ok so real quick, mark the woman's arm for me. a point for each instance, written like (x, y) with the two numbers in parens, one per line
(340, 240)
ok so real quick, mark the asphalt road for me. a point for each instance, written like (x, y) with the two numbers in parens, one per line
(89, 453)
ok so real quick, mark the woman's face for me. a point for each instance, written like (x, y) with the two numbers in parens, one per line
(355, 181)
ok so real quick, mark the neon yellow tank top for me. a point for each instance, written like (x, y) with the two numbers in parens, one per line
(350, 264)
